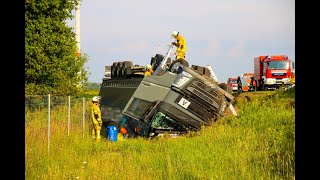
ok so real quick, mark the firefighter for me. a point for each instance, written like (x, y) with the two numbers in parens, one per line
(254, 84)
(180, 44)
(239, 84)
(149, 70)
(96, 118)
(251, 84)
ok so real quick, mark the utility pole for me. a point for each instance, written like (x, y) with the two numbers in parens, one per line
(78, 53)
(78, 28)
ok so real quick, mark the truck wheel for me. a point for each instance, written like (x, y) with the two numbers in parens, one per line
(125, 65)
(119, 69)
(263, 86)
(114, 69)
(156, 61)
(159, 58)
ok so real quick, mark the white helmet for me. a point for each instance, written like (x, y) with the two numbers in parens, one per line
(174, 33)
(148, 67)
(95, 98)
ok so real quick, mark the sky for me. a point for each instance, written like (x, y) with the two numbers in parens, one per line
(225, 34)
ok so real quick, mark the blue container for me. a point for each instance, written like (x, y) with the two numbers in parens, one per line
(112, 133)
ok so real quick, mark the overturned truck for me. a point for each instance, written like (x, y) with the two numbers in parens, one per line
(174, 100)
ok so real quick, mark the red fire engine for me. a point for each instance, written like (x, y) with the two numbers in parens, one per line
(271, 72)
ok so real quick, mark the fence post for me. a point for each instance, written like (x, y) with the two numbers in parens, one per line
(83, 115)
(68, 115)
(48, 124)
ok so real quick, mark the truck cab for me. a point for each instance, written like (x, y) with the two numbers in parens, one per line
(232, 82)
(271, 72)
(176, 101)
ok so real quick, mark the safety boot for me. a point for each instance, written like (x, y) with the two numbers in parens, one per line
(98, 139)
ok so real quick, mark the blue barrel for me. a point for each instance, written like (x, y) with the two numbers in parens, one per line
(112, 133)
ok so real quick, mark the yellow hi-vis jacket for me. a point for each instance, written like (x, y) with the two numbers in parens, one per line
(96, 113)
(148, 72)
(182, 45)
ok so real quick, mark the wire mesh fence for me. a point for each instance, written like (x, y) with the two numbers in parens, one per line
(47, 115)
(37, 102)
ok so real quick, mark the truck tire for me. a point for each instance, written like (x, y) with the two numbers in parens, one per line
(263, 86)
(126, 64)
(155, 62)
(119, 69)
(259, 85)
(159, 58)
(114, 69)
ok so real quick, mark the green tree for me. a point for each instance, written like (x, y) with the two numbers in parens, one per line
(92, 86)
(51, 63)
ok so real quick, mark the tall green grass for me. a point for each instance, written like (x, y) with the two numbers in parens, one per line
(258, 144)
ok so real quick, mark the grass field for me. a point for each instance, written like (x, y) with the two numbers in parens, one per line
(258, 144)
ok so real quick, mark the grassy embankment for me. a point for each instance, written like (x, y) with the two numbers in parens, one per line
(259, 144)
